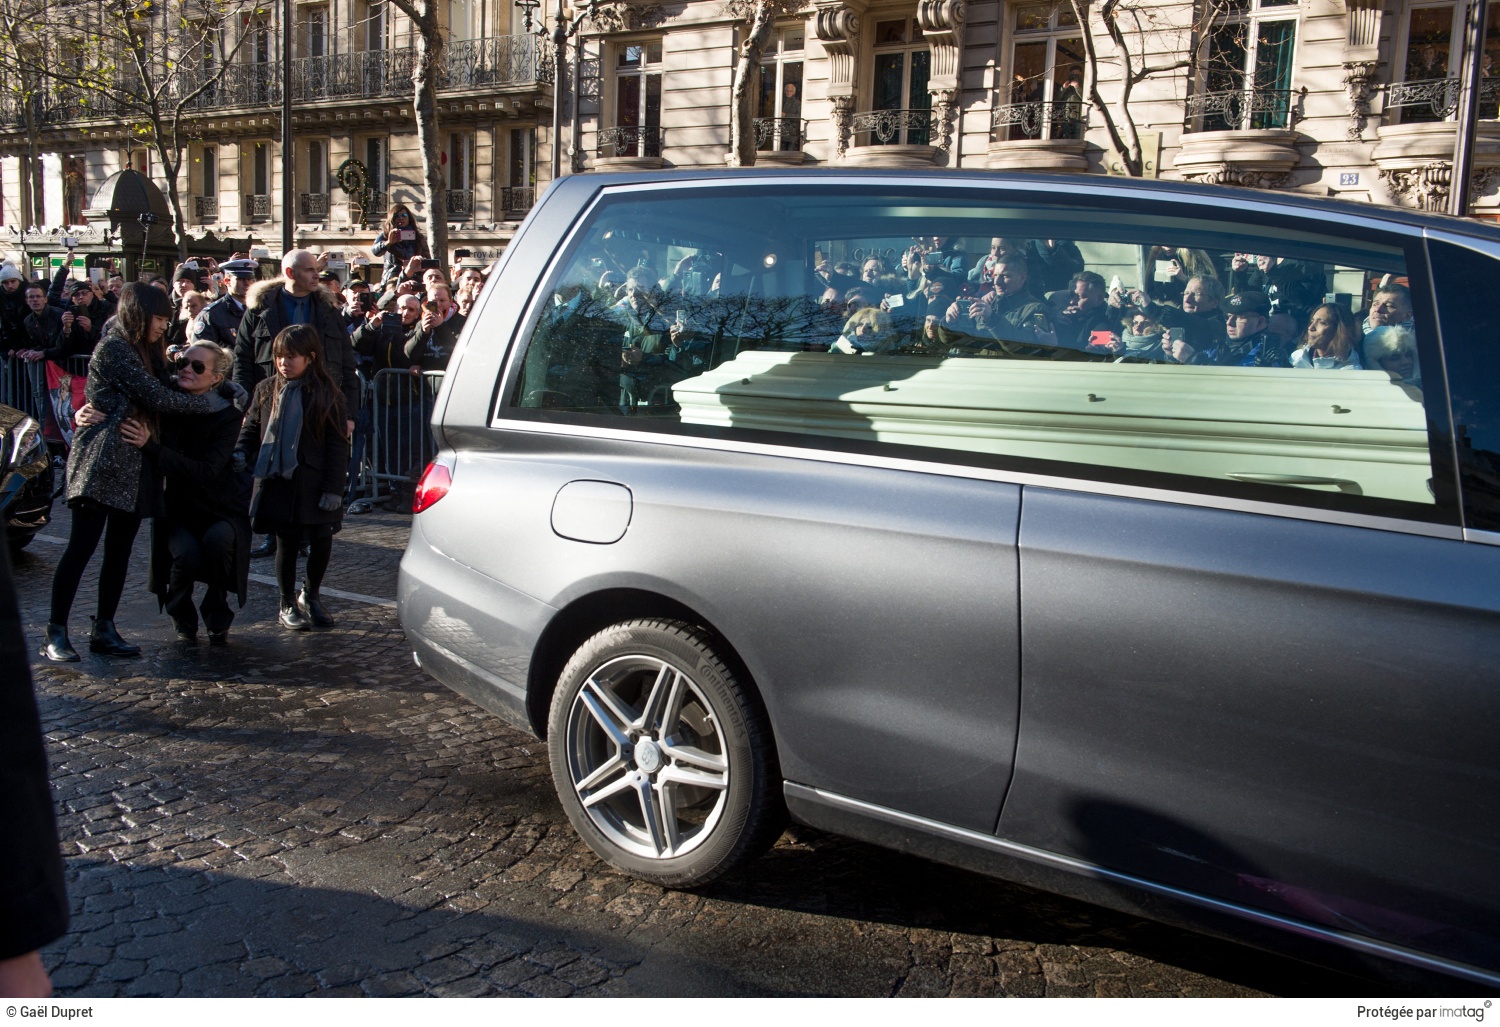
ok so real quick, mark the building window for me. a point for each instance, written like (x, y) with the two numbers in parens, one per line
(317, 166)
(1045, 92)
(1248, 67)
(370, 29)
(638, 72)
(1428, 86)
(263, 76)
(377, 169)
(206, 203)
(260, 163)
(139, 160)
(312, 205)
(465, 19)
(313, 34)
(460, 175)
(520, 189)
(902, 64)
(778, 124)
(258, 199)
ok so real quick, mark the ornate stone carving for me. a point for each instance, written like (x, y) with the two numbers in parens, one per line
(838, 28)
(843, 118)
(621, 16)
(942, 24)
(1359, 82)
(944, 117)
(1250, 178)
(1427, 187)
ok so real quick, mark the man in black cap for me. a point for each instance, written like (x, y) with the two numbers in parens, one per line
(333, 283)
(1247, 342)
(220, 321)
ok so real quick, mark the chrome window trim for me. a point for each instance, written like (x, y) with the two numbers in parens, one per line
(1063, 191)
(1354, 520)
(1484, 538)
(1083, 868)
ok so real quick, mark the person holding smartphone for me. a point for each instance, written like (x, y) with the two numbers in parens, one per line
(399, 241)
(431, 342)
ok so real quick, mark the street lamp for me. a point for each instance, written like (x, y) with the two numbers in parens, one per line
(566, 23)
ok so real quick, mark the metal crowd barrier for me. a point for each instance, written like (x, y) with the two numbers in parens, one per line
(398, 407)
(393, 440)
(23, 385)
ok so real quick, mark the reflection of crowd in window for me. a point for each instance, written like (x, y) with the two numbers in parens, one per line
(1021, 298)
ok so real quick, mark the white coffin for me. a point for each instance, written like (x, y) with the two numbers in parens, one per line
(1348, 431)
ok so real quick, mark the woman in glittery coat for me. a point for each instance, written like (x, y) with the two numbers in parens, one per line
(112, 485)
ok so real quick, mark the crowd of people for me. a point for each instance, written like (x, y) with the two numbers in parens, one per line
(220, 407)
(1022, 298)
(1037, 298)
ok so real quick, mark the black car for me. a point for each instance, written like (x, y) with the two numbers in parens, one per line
(26, 485)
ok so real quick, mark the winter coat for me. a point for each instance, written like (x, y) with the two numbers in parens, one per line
(263, 320)
(433, 349)
(33, 899)
(102, 466)
(44, 331)
(196, 455)
(322, 466)
(13, 311)
(398, 253)
(219, 322)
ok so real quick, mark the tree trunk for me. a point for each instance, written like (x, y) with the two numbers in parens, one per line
(1119, 122)
(741, 118)
(424, 81)
(174, 199)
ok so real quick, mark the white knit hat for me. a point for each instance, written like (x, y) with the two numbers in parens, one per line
(8, 273)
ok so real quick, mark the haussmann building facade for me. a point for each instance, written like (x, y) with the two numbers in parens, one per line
(1349, 98)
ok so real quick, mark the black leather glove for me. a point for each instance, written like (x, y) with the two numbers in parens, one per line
(238, 462)
(330, 501)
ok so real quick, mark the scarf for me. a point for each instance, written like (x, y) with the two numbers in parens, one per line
(278, 444)
(1142, 345)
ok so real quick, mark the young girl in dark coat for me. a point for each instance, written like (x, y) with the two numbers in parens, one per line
(294, 433)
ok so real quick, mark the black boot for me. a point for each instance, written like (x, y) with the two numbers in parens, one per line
(105, 639)
(311, 605)
(266, 548)
(59, 649)
(291, 617)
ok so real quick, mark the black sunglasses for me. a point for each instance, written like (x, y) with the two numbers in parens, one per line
(197, 365)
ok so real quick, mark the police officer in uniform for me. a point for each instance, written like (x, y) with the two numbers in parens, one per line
(220, 320)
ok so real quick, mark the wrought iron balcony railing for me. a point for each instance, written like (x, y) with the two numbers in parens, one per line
(257, 207)
(1436, 99)
(312, 206)
(497, 61)
(206, 208)
(630, 141)
(517, 198)
(517, 61)
(379, 204)
(1066, 119)
(1229, 109)
(779, 134)
(885, 128)
(460, 204)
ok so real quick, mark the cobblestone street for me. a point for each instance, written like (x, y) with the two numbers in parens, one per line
(311, 815)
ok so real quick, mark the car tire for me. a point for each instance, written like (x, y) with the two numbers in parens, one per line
(662, 758)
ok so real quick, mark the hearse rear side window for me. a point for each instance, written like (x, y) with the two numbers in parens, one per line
(1273, 362)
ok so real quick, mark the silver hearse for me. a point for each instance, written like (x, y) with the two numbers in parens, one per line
(835, 495)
